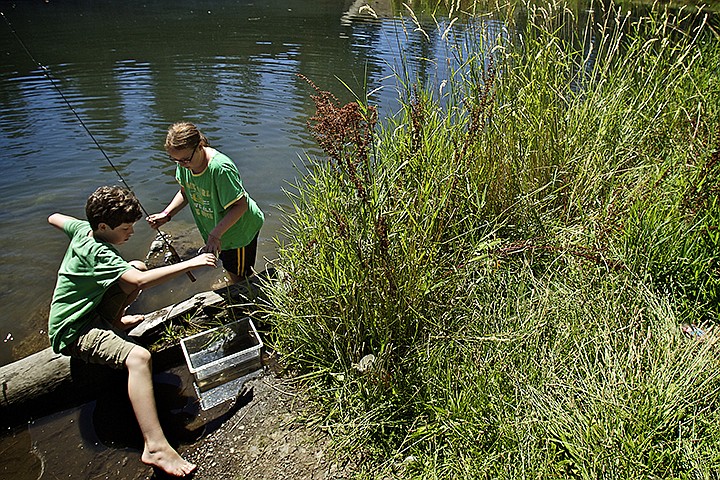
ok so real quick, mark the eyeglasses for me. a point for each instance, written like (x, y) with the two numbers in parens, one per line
(184, 160)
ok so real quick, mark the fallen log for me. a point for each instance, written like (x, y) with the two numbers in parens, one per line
(46, 382)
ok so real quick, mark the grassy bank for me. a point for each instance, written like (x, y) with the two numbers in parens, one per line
(492, 284)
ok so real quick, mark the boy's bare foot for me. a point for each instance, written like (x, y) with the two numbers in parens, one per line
(168, 460)
(129, 321)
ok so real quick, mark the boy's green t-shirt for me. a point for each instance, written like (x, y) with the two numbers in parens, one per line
(211, 192)
(88, 269)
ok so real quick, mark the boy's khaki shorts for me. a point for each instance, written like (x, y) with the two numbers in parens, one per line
(99, 342)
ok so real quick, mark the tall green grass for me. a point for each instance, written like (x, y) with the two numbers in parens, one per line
(492, 284)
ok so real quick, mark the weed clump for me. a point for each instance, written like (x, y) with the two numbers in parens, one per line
(492, 283)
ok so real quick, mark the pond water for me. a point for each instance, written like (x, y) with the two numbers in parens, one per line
(130, 69)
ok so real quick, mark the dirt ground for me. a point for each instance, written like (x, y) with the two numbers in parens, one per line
(264, 440)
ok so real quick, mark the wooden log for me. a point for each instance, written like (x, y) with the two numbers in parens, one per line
(46, 382)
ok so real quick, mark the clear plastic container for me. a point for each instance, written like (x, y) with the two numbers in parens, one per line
(223, 354)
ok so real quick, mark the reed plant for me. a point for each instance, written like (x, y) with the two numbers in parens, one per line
(492, 283)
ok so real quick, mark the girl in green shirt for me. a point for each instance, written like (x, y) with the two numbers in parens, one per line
(228, 219)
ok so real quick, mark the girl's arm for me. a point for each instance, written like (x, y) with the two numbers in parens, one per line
(232, 215)
(178, 202)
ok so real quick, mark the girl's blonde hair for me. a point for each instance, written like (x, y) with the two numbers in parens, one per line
(182, 135)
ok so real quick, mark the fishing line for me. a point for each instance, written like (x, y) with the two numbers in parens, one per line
(46, 72)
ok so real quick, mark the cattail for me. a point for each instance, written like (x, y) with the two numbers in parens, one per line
(417, 119)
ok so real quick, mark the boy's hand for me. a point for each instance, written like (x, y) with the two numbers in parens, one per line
(157, 220)
(204, 260)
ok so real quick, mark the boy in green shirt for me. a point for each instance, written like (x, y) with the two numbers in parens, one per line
(95, 286)
(228, 219)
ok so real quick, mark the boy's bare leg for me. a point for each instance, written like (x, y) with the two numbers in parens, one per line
(157, 451)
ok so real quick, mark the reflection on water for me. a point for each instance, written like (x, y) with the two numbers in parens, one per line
(19, 459)
(130, 69)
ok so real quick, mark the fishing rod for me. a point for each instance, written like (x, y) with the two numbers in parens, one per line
(163, 237)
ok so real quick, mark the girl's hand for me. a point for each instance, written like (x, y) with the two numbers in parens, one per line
(156, 220)
(213, 245)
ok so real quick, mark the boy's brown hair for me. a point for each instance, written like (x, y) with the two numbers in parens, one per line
(112, 206)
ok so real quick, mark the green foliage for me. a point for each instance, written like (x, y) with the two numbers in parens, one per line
(492, 284)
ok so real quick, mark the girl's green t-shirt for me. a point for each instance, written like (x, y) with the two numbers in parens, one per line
(88, 269)
(211, 192)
